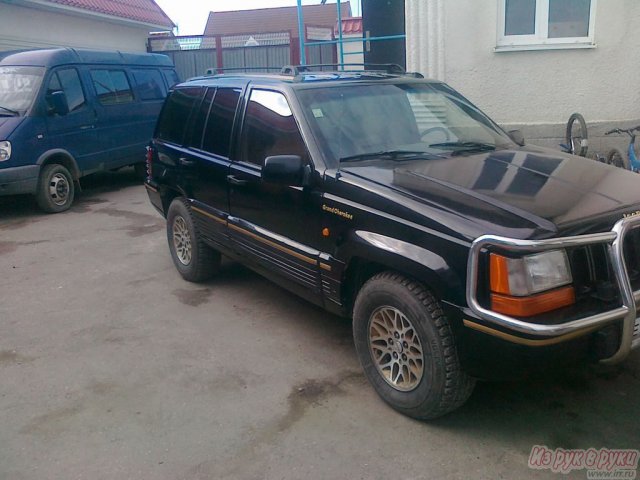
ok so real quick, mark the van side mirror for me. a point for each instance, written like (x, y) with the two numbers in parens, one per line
(517, 136)
(290, 170)
(59, 103)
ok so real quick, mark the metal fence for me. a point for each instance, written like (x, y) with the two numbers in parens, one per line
(267, 52)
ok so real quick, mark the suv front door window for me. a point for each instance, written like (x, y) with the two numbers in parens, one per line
(260, 209)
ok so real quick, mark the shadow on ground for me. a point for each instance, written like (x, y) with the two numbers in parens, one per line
(21, 207)
(577, 407)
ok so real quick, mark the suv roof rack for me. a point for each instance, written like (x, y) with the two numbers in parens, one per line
(389, 68)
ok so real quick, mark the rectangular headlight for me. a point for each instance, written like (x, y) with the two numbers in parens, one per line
(5, 151)
(530, 274)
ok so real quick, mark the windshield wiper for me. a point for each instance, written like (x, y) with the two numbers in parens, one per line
(12, 112)
(392, 154)
(464, 146)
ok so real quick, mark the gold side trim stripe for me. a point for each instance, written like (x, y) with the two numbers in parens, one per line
(297, 255)
(207, 214)
(326, 267)
(528, 341)
(151, 188)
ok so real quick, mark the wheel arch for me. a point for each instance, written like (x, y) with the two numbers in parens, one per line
(370, 253)
(61, 157)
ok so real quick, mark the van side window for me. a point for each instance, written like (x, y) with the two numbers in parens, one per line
(270, 128)
(67, 81)
(149, 84)
(217, 136)
(175, 114)
(112, 86)
(200, 119)
(171, 77)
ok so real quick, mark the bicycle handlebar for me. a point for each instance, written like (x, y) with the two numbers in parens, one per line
(627, 131)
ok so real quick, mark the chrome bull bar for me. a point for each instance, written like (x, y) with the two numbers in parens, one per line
(627, 312)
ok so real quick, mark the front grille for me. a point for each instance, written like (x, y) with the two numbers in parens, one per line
(631, 251)
(592, 273)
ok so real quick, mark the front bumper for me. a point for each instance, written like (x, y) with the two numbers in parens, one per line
(17, 180)
(627, 312)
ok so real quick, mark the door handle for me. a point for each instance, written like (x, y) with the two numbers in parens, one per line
(233, 180)
(186, 162)
(86, 127)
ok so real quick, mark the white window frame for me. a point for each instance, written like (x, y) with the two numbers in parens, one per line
(540, 39)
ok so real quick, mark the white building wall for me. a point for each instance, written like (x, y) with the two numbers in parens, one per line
(24, 28)
(454, 41)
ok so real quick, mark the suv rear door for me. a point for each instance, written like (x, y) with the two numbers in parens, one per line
(205, 160)
(274, 227)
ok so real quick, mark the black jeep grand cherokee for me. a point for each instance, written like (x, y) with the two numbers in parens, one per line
(391, 199)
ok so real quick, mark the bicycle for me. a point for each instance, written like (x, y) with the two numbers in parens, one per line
(617, 158)
(576, 136)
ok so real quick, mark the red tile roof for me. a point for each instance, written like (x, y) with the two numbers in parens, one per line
(271, 20)
(351, 26)
(145, 11)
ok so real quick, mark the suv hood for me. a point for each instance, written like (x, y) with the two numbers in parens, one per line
(8, 125)
(528, 192)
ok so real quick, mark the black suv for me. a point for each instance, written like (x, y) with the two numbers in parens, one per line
(459, 252)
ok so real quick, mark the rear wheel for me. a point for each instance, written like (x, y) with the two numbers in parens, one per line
(55, 189)
(195, 260)
(407, 349)
(576, 135)
(618, 159)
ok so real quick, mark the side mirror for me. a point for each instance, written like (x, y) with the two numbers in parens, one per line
(288, 170)
(59, 103)
(517, 136)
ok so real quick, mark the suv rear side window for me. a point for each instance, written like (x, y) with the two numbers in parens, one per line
(270, 128)
(67, 81)
(175, 114)
(112, 86)
(217, 137)
(149, 84)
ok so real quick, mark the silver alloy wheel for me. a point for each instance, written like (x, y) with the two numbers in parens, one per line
(181, 240)
(59, 189)
(395, 348)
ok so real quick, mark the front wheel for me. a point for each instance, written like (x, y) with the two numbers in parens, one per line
(195, 260)
(618, 159)
(576, 135)
(55, 189)
(406, 348)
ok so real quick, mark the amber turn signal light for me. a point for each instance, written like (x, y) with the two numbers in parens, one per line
(533, 305)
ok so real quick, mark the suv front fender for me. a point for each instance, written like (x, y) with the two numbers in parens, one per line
(428, 267)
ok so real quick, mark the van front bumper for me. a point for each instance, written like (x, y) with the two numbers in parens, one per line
(17, 180)
(512, 329)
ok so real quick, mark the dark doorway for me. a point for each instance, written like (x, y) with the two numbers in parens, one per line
(382, 18)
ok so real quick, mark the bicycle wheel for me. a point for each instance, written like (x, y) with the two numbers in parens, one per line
(576, 135)
(617, 158)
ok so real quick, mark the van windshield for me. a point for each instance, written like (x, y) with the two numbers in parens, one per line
(18, 89)
(398, 121)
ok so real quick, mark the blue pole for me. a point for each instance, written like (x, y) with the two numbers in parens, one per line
(340, 34)
(303, 53)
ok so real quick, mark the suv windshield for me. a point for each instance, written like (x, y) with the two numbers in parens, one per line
(358, 122)
(18, 89)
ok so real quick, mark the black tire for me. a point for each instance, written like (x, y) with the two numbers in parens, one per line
(576, 135)
(441, 386)
(56, 189)
(618, 159)
(195, 260)
(140, 170)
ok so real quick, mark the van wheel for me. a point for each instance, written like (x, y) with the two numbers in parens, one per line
(55, 189)
(407, 349)
(195, 260)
